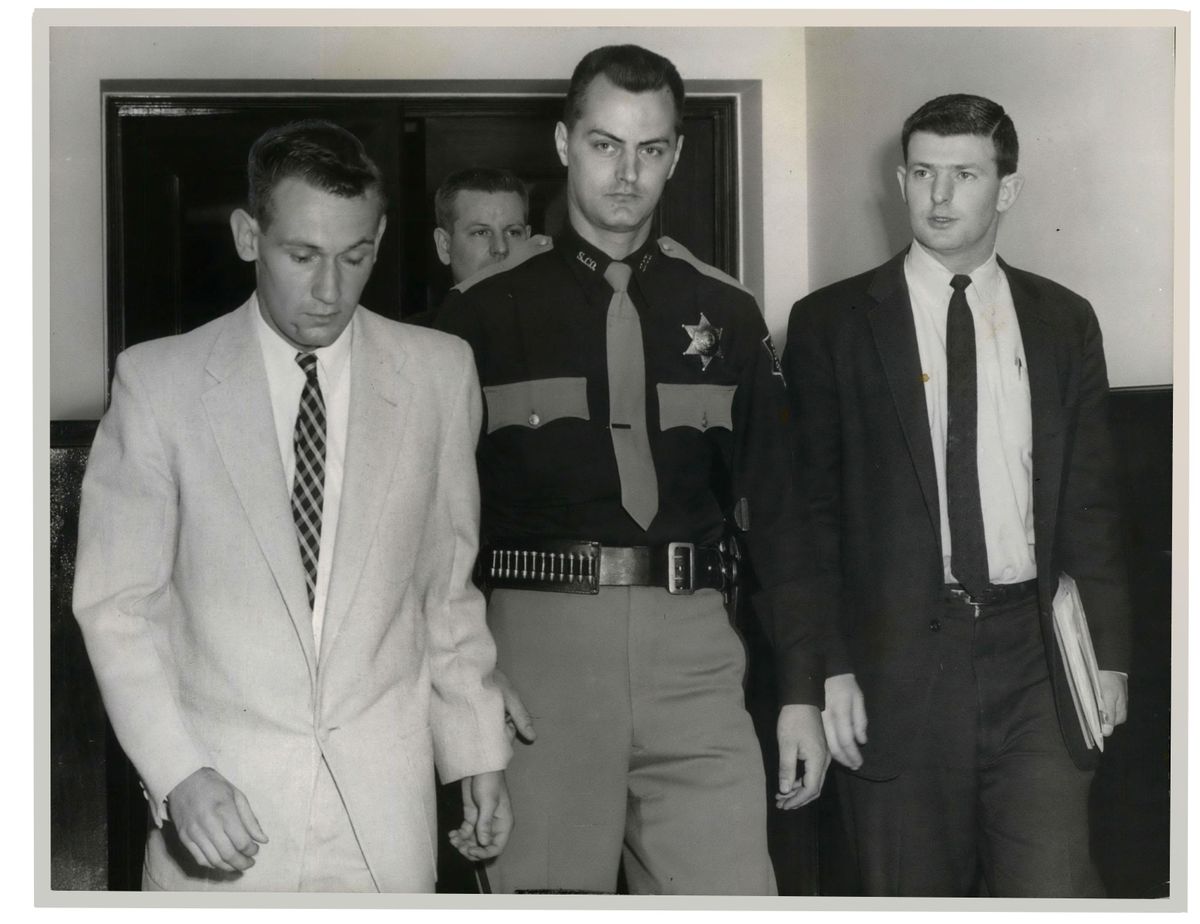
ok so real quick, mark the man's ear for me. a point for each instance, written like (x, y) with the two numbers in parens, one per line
(1010, 188)
(901, 173)
(379, 232)
(678, 151)
(245, 234)
(441, 240)
(560, 142)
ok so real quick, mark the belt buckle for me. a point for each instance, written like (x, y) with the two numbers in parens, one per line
(677, 582)
(991, 595)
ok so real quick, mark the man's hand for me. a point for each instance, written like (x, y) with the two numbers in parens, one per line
(845, 719)
(215, 822)
(800, 739)
(1114, 706)
(487, 817)
(517, 720)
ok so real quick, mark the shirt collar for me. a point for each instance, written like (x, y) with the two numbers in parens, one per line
(932, 276)
(280, 355)
(589, 263)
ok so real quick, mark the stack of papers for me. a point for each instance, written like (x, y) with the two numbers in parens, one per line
(1079, 657)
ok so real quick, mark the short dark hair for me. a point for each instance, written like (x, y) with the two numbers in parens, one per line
(477, 179)
(629, 67)
(321, 153)
(964, 114)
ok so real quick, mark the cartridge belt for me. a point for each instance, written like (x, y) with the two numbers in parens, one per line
(583, 567)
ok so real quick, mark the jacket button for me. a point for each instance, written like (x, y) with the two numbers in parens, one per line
(935, 625)
(534, 420)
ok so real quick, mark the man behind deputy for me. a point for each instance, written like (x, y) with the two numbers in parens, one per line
(482, 212)
(273, 576)
(953, 436)
(482, 218)
(634, 406)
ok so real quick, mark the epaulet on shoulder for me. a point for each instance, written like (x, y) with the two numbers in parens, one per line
(673, 248)
(539, 243)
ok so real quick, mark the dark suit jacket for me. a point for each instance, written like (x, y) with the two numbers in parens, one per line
(866, 465)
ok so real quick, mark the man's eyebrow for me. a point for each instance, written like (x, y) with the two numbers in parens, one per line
(609, 135)
(640, 144)
(308, 245)
(973, 165)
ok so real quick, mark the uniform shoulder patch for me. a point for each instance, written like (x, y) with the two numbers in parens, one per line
(776, 367)
(673, 248)
(522, 251)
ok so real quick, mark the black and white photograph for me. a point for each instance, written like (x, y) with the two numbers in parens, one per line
(660, 459)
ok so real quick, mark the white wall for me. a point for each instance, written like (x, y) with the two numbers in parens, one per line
(774, 208)
(1093, 110)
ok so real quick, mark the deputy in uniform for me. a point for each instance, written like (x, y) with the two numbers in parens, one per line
(634, 408)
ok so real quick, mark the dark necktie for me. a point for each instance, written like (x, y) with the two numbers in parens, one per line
(968, 546)
(308, 486)
(627, 401)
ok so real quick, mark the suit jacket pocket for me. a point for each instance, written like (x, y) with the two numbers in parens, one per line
(699, 406)
(536, 402)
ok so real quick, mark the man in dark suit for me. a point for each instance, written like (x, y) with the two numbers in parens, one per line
(953, 443)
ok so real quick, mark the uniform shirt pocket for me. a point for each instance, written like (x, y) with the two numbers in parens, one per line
(536, 402)
(698, 406)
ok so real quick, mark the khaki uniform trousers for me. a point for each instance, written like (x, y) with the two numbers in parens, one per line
(644, 748)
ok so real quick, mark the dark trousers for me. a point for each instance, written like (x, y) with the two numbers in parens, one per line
(988, 785)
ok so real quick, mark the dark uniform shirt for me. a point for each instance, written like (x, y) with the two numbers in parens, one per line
(716, 415)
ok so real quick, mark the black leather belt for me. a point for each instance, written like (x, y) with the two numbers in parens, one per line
(995, 594)
(583, 567)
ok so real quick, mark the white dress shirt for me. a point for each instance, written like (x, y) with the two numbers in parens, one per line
(286, 381)
(1005, 430)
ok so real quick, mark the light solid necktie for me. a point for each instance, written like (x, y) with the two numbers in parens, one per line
(968, 545)
(627, 401)
(308, 485)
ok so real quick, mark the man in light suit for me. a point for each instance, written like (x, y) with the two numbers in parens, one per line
(954, 448)
(277, 530)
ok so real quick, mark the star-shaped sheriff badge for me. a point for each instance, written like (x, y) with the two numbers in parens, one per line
(706, 341)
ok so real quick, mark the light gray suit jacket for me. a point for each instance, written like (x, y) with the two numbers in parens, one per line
(191, 596)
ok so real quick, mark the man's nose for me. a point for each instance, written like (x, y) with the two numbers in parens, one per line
(627, 167)
(499, 245)
(327, 284)
(943, 189)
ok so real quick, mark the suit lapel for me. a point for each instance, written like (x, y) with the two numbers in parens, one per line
(1039, 341)
(379, 402)
(895, 336)
(243, 424)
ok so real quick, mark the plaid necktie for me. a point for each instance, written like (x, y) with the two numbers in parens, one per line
(308, 486)
(968, 545)
(627, 401)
